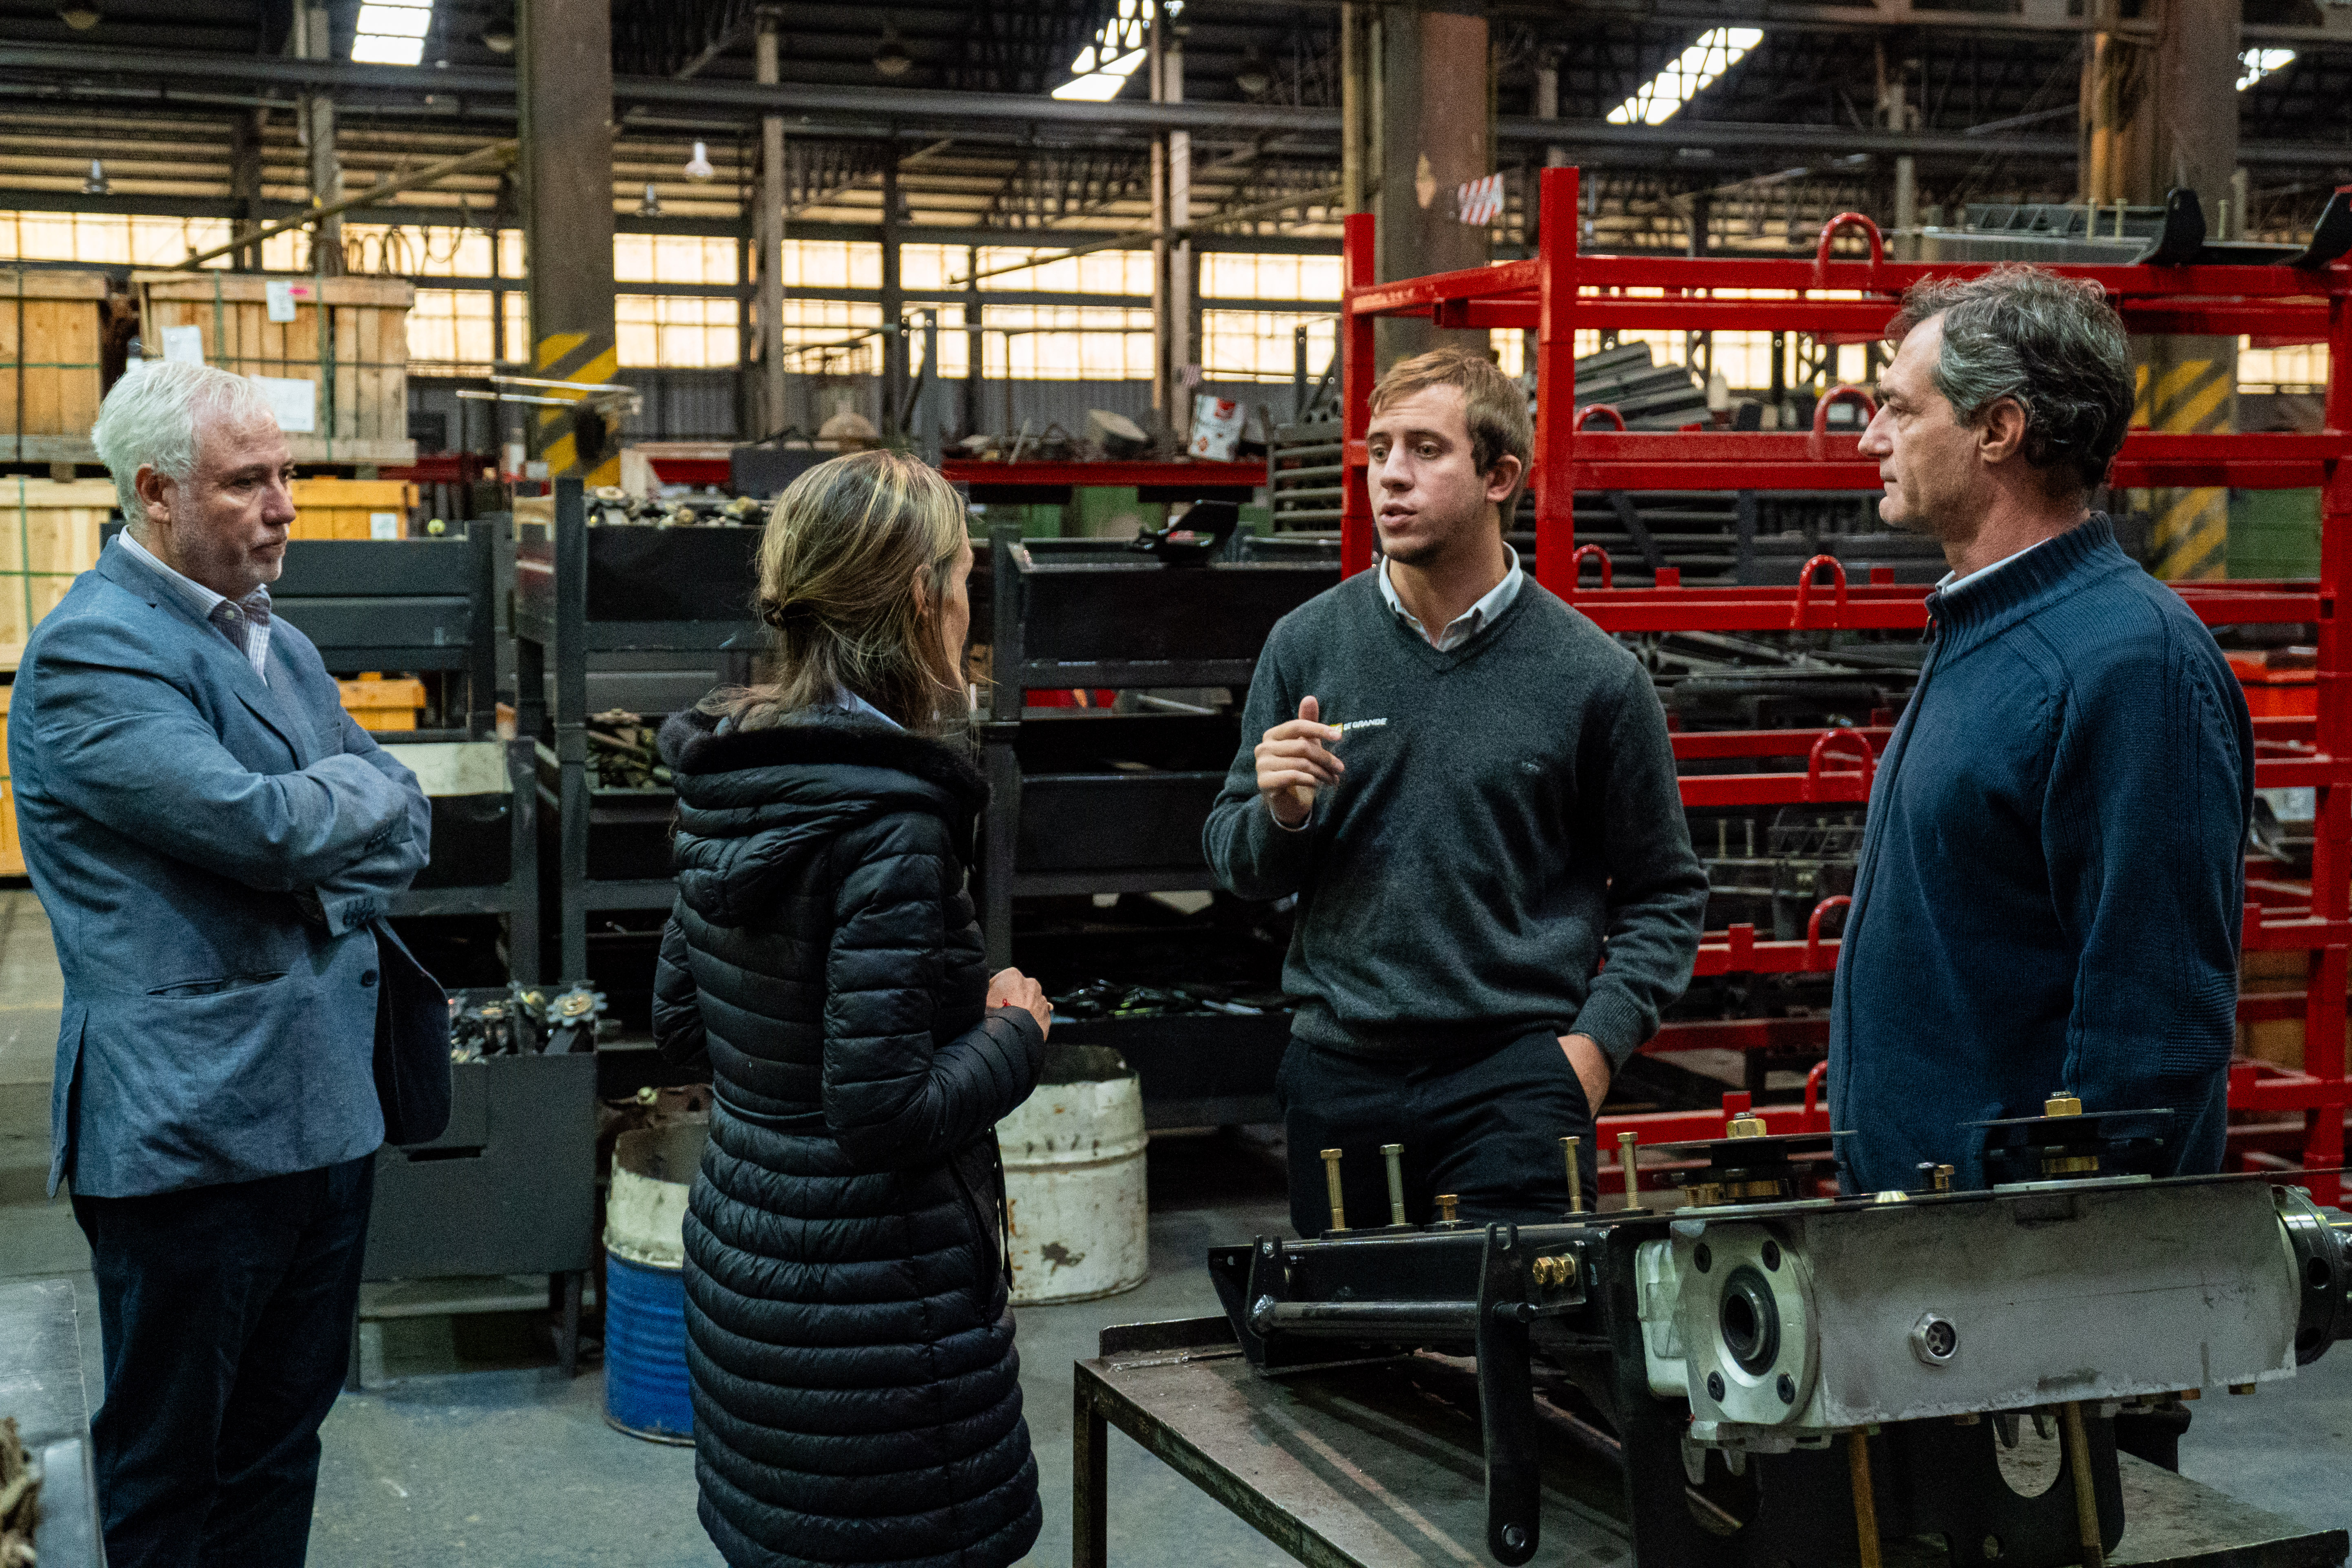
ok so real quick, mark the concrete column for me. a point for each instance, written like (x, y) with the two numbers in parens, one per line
(1907, 207)
(1182, 345)
(245, 183)
(326, 167)
(768, 227)
(2156, 119)
(1358, 115)
(1435, 137)
(1548, 106)
(1164, 390)
(564, 93)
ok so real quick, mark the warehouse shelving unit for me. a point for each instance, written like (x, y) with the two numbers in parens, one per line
(1560, 291)
(673, 603)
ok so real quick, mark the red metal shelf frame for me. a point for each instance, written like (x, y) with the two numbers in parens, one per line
(1561, 291)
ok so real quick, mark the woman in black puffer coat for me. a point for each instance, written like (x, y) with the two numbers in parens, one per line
(857, 1392)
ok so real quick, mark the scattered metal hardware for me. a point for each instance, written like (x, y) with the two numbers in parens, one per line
(1110, 999)
(621, 753)
(610, 505)
(524, 1020)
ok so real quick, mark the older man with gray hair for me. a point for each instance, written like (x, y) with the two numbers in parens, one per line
(2051, 883)
(215, 843)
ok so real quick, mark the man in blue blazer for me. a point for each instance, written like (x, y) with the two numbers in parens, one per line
(215, 843)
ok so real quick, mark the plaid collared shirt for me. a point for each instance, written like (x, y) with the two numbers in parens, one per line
(245, 622)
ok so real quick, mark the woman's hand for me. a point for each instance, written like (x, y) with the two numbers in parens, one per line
(1010, 988)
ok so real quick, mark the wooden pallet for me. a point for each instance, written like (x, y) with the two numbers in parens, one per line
(50, 331)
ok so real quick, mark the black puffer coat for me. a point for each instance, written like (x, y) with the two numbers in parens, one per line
(856, 1394)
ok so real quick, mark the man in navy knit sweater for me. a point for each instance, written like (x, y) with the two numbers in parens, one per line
(2050, 888)
(1469, 788)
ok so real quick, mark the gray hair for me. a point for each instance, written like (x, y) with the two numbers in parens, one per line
(2052, 345)
(150, 420)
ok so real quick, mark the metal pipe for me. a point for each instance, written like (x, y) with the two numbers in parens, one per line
(1344, 1319)
(2086, 1498)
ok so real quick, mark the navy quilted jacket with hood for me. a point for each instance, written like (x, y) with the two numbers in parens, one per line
(857, 1392)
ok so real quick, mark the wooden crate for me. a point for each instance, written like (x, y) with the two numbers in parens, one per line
(376, 703)
(351, 509)
(49, 329)
(349, 337)
(48, 536)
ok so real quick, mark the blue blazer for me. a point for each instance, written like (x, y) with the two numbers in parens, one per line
(171, 806)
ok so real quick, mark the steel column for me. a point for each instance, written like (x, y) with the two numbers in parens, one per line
(1556, 383)
(769, 229)
(1357, 374)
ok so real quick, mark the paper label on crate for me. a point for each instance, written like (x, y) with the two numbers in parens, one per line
(383, 525)
(293, 399)
(281, 295)
(183, 345)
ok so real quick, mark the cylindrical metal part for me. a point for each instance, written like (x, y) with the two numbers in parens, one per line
(1394, 1152)
(1445, 1201)
(1568, 1152)
(2086, 1498)
(1358, 1320)
(1625, 1163)
(1332, 1180)
(1866, 1499)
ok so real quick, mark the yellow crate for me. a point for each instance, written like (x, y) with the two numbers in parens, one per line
(49, 332)
(11, 852)
(48, 536)
(357, 361)
(375, 703)
(351, 509)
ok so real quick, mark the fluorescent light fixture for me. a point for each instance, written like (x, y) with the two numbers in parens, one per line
(392, 32)
(2256, 64)
(1116, 52)
(1656, 101)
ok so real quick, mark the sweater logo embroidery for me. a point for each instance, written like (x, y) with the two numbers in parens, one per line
(1361, 724)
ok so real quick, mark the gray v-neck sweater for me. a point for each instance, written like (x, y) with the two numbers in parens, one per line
(1508, 810)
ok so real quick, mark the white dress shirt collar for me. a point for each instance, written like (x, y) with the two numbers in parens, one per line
(1470, 621)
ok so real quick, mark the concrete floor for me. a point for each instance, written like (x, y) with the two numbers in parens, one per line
(474, 1453)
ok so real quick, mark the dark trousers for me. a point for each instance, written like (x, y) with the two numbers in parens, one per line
(1485, 1129)
(226, 1312)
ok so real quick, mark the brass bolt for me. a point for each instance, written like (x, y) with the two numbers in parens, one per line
(1396, 1155)
(1746, 1125)
(1567, 1150)
(1445, 1201)
(1331, 1180)
(1553, 1273)
(1943, 1178)
(2061, 1105)
(1626, 1143)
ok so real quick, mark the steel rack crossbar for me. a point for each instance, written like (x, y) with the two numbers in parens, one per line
(1561, 291)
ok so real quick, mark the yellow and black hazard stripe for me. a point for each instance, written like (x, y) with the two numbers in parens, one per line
(565, 440)
(2180, 393)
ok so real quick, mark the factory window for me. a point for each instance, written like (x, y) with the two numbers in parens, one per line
(427, 250)
(2300, 367)
(832, 264)
(1260, 345)
(829, 337)
(449, 331)
(1067, 342)
(672, 258)
(955, 346)
(1097, 272)
(669, 331)
(1235, 275)
(131, 239)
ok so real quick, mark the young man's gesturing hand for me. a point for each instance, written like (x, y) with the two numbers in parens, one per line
(1292, 763)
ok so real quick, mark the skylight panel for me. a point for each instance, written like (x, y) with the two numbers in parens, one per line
(1658, 99)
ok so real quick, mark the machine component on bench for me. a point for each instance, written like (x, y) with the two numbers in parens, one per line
(1194, 540)
(571, 1018)
(1331, 1180)
(1627, 1167)
(1829, 1363)
(2063, 1142)
(1569, 1148)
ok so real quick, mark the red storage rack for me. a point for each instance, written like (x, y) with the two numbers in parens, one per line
(1561, 291)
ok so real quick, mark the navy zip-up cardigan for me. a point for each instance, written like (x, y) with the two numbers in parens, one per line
(2050, 884)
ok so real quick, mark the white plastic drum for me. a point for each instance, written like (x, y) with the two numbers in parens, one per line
(1074, 1179)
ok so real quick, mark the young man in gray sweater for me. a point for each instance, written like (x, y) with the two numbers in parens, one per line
(1469, 788)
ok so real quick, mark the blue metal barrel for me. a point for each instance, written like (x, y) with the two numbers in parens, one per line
(645, 1350)
(644, 1282)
